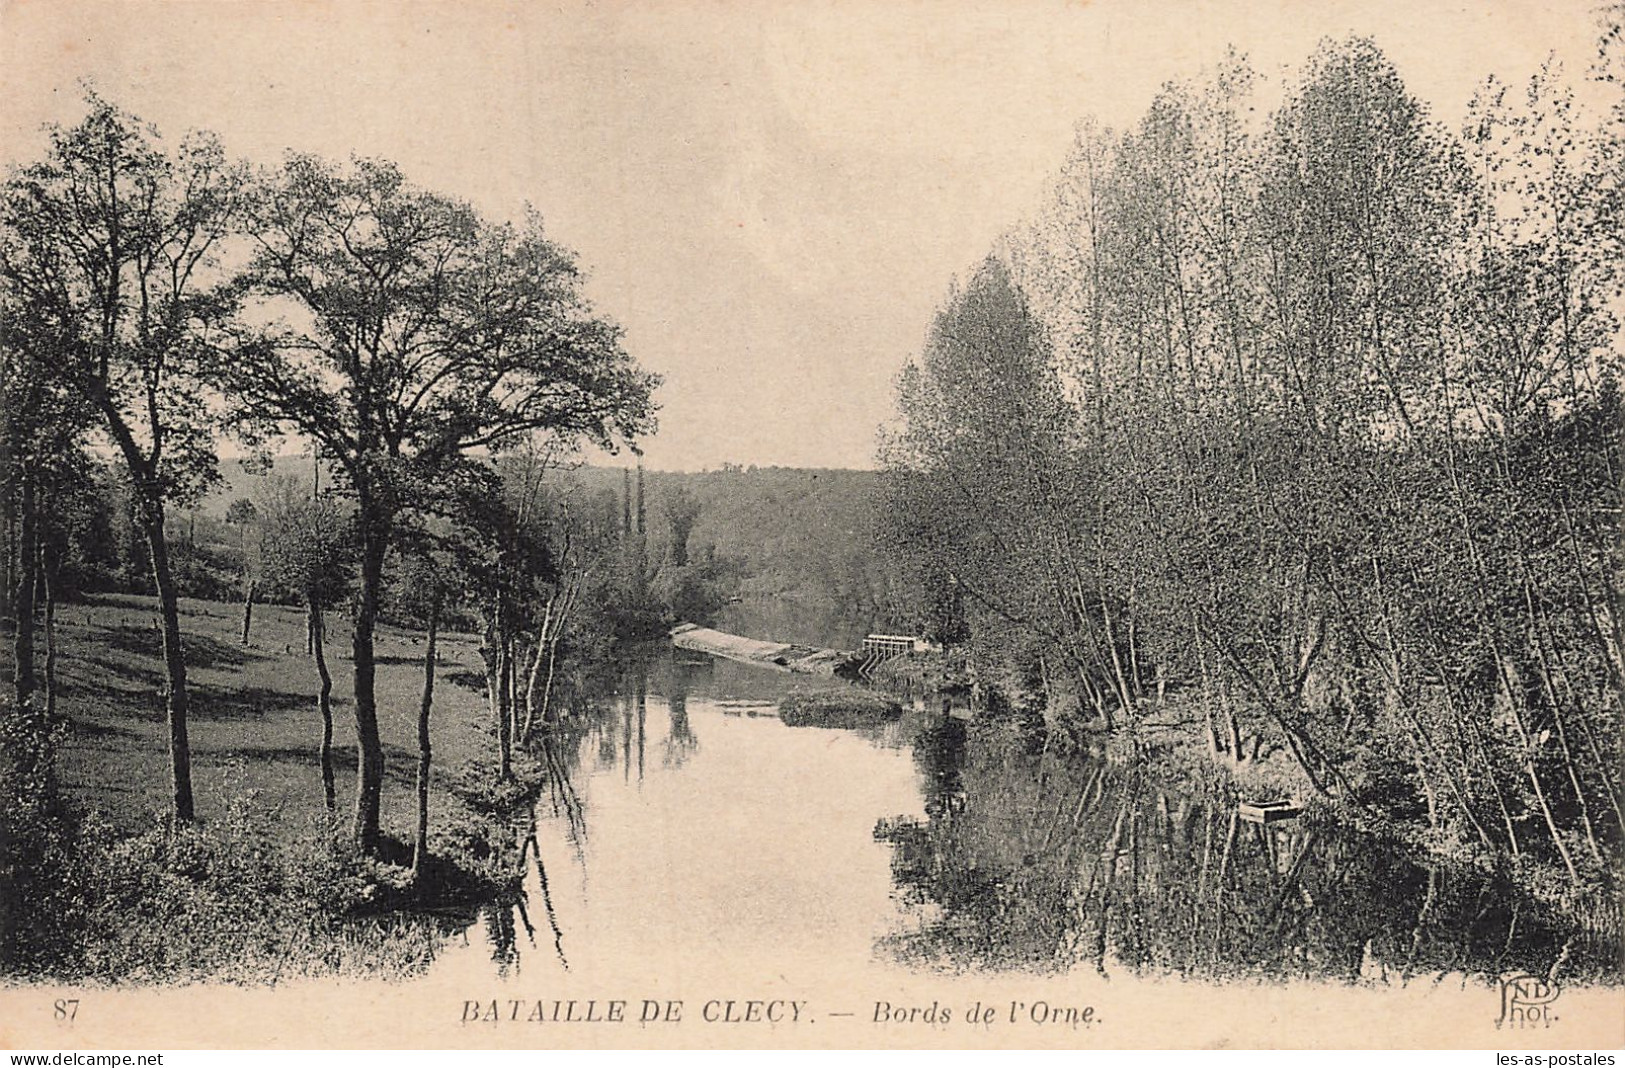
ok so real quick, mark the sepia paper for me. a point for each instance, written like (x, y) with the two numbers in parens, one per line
(772, 197)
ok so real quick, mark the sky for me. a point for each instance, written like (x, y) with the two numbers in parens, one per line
(771, 196)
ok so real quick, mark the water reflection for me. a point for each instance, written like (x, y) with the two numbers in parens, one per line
(1038, 863)
(650, 846)
(497, 918)
(681, 740)
(827, 626)
(936, 843)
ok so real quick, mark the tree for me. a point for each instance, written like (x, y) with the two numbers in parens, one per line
(682, 510)
(427, 583)
(242, 514)
(113, 247)
(410, 332)
(504, 558)
(986, 471)
(306, 558)
(545, 565)
(42, 431)
(23, 453)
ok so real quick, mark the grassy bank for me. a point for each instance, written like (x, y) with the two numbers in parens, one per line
(266, 885)
(253, 711)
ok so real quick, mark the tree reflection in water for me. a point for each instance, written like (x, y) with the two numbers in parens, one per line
(1041, 863)
(680, 740)
(557, 746)
(615, 732)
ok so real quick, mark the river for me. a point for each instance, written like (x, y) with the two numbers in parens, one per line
(688, 826)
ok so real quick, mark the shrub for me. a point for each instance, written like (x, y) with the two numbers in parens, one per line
(234, 900)
(837, 708)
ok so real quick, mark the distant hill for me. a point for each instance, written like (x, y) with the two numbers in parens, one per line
(795, 532)
(239, 482)
(798, 533)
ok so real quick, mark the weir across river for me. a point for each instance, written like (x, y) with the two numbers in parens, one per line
(799, 659)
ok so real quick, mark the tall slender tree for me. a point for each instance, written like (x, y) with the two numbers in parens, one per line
(409, 332)
(306, 559)
(1344, 452)
(114, 247)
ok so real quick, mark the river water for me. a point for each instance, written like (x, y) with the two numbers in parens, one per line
(688, 830)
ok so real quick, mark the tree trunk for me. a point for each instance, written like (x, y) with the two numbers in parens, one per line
(248, 607)
(180, 749)
(1214, 745)
(496, 687)
(553, 650)
(420, 850)
(369, 749)
(512, 657)
(533, 675)
(47, 571)
(23, 593)
(504, 698)
(547, 688)
(1469, 730)
(1557, 667)
(642, 528)
(9, 504)
(315, 637)
(1515, 708)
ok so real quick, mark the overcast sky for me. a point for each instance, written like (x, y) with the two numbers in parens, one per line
(771, 196)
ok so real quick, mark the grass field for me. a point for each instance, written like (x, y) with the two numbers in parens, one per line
(254, 724)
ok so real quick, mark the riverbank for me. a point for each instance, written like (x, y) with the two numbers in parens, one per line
(266, 884)
(1177, 735)
(1171, 737)
(992, 830)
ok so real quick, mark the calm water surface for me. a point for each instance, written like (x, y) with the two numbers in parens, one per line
(688, 828)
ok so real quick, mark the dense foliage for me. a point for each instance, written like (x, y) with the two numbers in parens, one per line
(1310, 426)
(164, 296)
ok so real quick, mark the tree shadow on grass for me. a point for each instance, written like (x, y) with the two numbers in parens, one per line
(305, 755)
(213, 703)
(102, 670)
(401, 766)
(198, 650)
(472, 680)
(86, 729)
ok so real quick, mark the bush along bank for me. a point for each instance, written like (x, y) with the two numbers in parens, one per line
(1191, 738)
(243, 898)
(251, 896)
